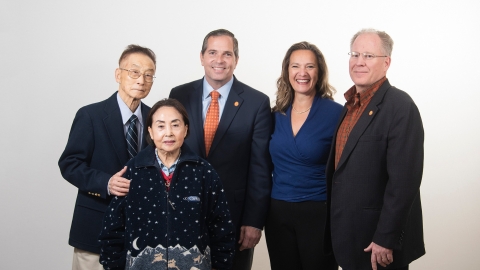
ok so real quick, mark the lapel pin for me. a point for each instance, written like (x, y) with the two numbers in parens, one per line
(370, 113)
(236, 103)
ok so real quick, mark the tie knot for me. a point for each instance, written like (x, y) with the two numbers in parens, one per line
(214, 94)
(132, 119)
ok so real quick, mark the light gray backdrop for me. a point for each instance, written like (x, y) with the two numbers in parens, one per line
(57, 56)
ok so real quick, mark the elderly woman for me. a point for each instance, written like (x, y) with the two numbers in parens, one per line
(305, 119)
(175, 215)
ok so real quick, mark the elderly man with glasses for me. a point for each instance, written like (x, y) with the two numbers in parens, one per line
(375, 166)
(103, 137)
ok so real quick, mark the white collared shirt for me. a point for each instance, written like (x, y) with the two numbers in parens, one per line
(126, 114)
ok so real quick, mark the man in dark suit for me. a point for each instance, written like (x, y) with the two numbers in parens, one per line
(97, 151)
(375, 166)
(239, 150)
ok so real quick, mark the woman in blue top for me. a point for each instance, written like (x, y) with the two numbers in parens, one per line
(305, 120)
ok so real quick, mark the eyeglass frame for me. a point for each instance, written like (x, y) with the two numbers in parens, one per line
(140, 74)
(364, 55)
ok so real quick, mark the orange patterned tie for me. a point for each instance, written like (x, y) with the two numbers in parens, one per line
(211, 120)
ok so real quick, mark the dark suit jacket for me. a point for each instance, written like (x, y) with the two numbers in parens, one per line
(374, 194)
(96, 150)
(239, 151)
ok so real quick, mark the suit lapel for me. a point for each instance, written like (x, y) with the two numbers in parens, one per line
(333, 148)
(145, 112)
(233, 104)
(196, 117)
(114, 125)
(364, 121)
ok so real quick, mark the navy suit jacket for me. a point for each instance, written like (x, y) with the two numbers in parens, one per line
(374, 193)
(95, 151)
(239, 151)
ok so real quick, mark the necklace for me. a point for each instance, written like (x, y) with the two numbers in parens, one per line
(302, 111)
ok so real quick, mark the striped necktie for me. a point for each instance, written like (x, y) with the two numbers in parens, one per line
(132, 136)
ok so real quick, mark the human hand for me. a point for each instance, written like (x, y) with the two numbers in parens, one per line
(249, 237)
(380, 255)
(117, 185)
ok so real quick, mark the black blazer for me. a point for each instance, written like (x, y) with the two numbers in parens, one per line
(374, 194)
(239, 151)
(96, 150)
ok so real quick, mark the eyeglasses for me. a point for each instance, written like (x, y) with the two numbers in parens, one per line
(135, 74)
(366, 56)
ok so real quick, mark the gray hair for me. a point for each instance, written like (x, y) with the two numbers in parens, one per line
(387, 42)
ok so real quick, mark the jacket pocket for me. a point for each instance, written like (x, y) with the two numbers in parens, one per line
(370, 138)
(368, 225)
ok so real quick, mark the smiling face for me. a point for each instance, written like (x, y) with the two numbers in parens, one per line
(303, 72)
(168, 130)
(363, 72)
(219, 60)
(134, 89)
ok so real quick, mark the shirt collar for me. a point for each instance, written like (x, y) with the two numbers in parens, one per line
(127, 113)
(164, 168)
(224, 90)
(357, 99)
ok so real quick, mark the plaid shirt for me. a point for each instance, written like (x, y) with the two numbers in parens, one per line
(356, 104)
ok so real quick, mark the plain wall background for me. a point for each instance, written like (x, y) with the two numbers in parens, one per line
(57, 56)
